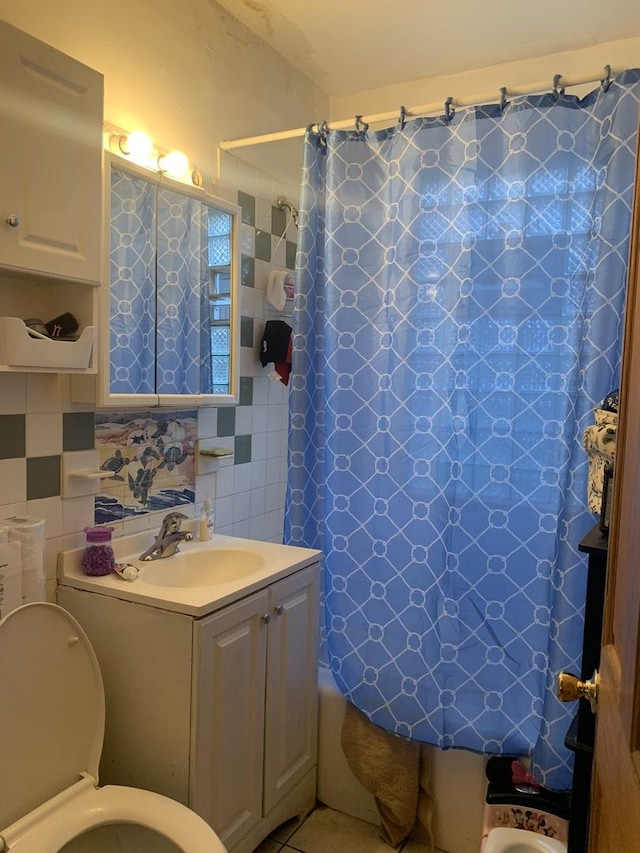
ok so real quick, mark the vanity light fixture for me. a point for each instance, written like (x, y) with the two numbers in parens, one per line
(174, 163)
(138, 147)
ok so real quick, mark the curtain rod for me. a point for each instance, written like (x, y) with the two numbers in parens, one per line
(416, 112)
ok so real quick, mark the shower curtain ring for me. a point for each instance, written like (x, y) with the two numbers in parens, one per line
(323, 130)
(449, 111)
(403, 117)
(361, 126)
(557, 93)
(604, 84)
(503, 97)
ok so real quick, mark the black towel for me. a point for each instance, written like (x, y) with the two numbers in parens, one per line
(275, 342)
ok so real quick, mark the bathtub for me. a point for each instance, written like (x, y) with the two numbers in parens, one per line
(458, 782)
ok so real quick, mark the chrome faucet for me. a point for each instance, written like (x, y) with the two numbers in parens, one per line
(168, 538)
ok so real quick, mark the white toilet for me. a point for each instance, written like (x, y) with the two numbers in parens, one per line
(51, 732)
(509, 840)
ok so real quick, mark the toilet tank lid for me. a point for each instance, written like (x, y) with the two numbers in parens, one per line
(52, 708)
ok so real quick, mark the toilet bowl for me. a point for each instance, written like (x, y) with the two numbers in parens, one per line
(51, 732)
(510, 840)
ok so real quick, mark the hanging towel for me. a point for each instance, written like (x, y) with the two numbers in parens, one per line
(396, 772)
(275, 342)
(599, 440)
(279, 287)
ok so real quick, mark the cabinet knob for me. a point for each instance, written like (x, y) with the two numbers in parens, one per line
(12, 220)
(266, 618)
(279, 610)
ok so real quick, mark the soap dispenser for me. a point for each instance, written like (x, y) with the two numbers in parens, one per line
(205, 527)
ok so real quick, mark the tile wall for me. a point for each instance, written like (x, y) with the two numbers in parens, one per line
(42, 432)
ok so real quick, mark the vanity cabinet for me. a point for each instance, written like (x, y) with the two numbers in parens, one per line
(50, 201)
(219, 712)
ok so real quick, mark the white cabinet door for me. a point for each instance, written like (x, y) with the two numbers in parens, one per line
(292, 684)
(50, 160)
(228, 730)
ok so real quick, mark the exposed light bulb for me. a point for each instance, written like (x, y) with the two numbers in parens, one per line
(175, 164)
(138, 145)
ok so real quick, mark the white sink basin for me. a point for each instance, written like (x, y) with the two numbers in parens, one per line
(201, 568)
(199, 579)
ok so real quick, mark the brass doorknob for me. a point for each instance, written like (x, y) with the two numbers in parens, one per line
(571, 688)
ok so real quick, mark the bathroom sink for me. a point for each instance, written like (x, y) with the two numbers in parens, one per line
(201, 568)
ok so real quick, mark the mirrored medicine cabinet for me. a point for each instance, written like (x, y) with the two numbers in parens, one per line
(170, 331)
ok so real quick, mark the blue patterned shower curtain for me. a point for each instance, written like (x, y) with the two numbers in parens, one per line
(459, 314)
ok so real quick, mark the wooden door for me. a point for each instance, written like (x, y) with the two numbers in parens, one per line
(615, 809)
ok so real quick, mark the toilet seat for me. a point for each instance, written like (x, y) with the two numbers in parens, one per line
(509, 840)
(51, 733)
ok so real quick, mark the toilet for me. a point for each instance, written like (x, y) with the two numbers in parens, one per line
(509, 840)
(51, 731)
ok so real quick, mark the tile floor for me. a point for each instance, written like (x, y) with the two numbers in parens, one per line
(329, 831)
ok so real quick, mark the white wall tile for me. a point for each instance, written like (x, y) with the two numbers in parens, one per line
(43, 434)
(244, 422)
(242, 528)
(44, 393)
(224, 512)
(77, 513)
(242, 478)
(241, 506)
(51, 510)
(207, 423)
(13, 484)
(225, 481)
(13, 393)
(248, 240)
(260, 391)
(259, 445)
(51, 549)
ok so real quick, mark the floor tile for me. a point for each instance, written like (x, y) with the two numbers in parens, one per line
(269, 846)
(329, 831)
(285, 830)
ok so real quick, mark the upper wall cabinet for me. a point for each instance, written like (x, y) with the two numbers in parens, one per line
(172, 303)
(50, 161)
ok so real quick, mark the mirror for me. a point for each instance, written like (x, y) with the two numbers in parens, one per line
(173, 293)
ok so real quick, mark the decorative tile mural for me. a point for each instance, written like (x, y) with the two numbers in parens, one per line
(151, 459)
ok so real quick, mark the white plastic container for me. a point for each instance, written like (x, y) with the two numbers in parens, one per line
(19, 349)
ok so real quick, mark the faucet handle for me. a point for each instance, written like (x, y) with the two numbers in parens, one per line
(171, 523)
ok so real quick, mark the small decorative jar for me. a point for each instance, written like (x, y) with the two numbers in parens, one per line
(98, 558)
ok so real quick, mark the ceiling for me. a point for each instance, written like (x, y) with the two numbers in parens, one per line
(349, 46)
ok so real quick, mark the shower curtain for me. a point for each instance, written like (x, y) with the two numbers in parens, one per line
(461, 285)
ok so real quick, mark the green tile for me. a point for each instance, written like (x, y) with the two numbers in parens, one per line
(246, 331)
(278, 221)
(246, 390)
(248, 205)
(78, 431)
(43, 477)
(290, 262)
(12, 433)
(263, 245)
(242, 449)
(248, 271)
(226, 421)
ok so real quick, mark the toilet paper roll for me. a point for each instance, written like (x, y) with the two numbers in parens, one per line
(29, 532)
(10, 577)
